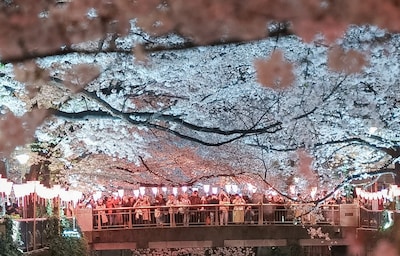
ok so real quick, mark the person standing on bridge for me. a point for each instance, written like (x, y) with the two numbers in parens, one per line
(224, 203)
(184, 208)
(213, 210)
(159, 212)
(195, 201)
(172, 203)
(146, 210)
(238, 209)
(101, 218)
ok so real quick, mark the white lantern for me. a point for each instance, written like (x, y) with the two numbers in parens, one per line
(97, 195)
(20, 191)
(115, 194)
(362, 194)
(7, 187)
(251, 188)
(2, 184)
(206, 188)
(235, 188)
(48, 193)
(228, 188)
(136, 193)
(184, 189)
(120, 193)
(65, 195)
(75, 196)
(155, 190)
(33, 184)
(142, 191)
(175, 191)
(57, 188)
(41, 191)
(214, 190)
(164, 189)
(358, 190)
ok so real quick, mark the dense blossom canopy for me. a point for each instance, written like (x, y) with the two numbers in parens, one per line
(117, 94)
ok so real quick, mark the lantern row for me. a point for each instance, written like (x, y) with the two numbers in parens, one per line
(25, 189)
(390, 193)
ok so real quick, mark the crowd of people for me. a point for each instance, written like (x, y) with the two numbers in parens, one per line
(181, 209)
(191, 208)
(188, 209)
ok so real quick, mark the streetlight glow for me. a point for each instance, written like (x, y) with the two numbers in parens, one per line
(22, 158)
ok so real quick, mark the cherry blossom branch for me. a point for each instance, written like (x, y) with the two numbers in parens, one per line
(148, 47)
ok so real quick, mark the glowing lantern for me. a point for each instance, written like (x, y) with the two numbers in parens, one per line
(235, 189)
(142, 191)
(228, 188)
(206, 188)
(120, 193)
(184, 189)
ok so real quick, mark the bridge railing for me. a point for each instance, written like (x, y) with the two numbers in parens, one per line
(33, 233)
(371, 219)
(26, 229)
(215, 214)
(209, 214)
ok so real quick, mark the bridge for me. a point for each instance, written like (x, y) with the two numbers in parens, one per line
(324, 227)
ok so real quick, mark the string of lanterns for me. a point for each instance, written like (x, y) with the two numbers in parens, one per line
(20, 191)
(387, 193)
(208, 189)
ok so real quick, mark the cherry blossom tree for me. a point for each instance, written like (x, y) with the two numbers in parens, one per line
(183, 92)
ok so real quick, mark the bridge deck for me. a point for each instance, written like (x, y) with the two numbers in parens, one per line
(214, 236)
(277, 227)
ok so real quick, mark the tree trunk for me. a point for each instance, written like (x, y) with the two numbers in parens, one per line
(3, 169)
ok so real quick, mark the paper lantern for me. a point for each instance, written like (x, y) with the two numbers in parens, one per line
(175, 191)
(154, 190)
(206, 188)
(228, 188)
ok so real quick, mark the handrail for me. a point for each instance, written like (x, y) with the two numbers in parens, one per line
(372, 219)
(213, 214)
(26, 231)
